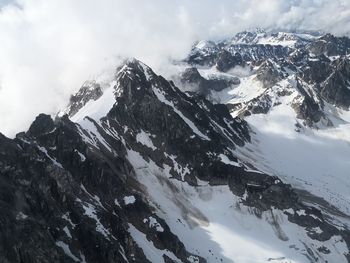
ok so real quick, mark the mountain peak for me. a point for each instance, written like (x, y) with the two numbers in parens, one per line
(133, 66)
(133, 76)
(95, 98)
(41, 125)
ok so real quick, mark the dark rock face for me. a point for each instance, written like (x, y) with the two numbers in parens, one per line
(193, 81)
(268, 74)
(335, 89)
(48, 191)
(205, 55)
(226, 61)
(308, 111)
(330, 45)
(89, 91)
(317, 71)
(259, 52)
(62, 196)
(42, 124)
(191, 75)
(260, 105)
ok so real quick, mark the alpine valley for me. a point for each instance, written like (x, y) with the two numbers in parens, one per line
(241, 154)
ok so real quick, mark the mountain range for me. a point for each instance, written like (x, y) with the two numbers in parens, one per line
(240, 155)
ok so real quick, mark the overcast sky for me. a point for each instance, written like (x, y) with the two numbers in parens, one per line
(49, 47)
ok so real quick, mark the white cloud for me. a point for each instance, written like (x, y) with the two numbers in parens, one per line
(48, 48)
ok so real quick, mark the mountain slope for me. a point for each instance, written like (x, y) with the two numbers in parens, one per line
(296, 103)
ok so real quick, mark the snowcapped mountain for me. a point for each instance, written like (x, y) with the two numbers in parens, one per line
(241, 157)
(300, 100)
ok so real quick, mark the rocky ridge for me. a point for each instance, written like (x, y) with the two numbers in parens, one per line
(311, 70)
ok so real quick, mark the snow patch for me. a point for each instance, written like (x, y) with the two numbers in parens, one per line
(66, 230)
(116, 202)
(128, 200)
(152, 253)
(209, 219)
(226, 160)
(90, 211)
(67, 218)
(43, 149)
(153, 223)
(145, 139)
(82, 156)
(21, 216)
(96, 109)
(314, 160)
(66, 250)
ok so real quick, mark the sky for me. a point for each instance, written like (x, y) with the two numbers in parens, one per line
(4, 2)
(48, 48)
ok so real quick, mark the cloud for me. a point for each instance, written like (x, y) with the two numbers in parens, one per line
(48, 48)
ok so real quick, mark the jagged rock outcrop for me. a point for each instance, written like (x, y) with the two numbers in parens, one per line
(226, 61)
(89, 91)
(330, 46)
(335, 89)
(191, 80)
